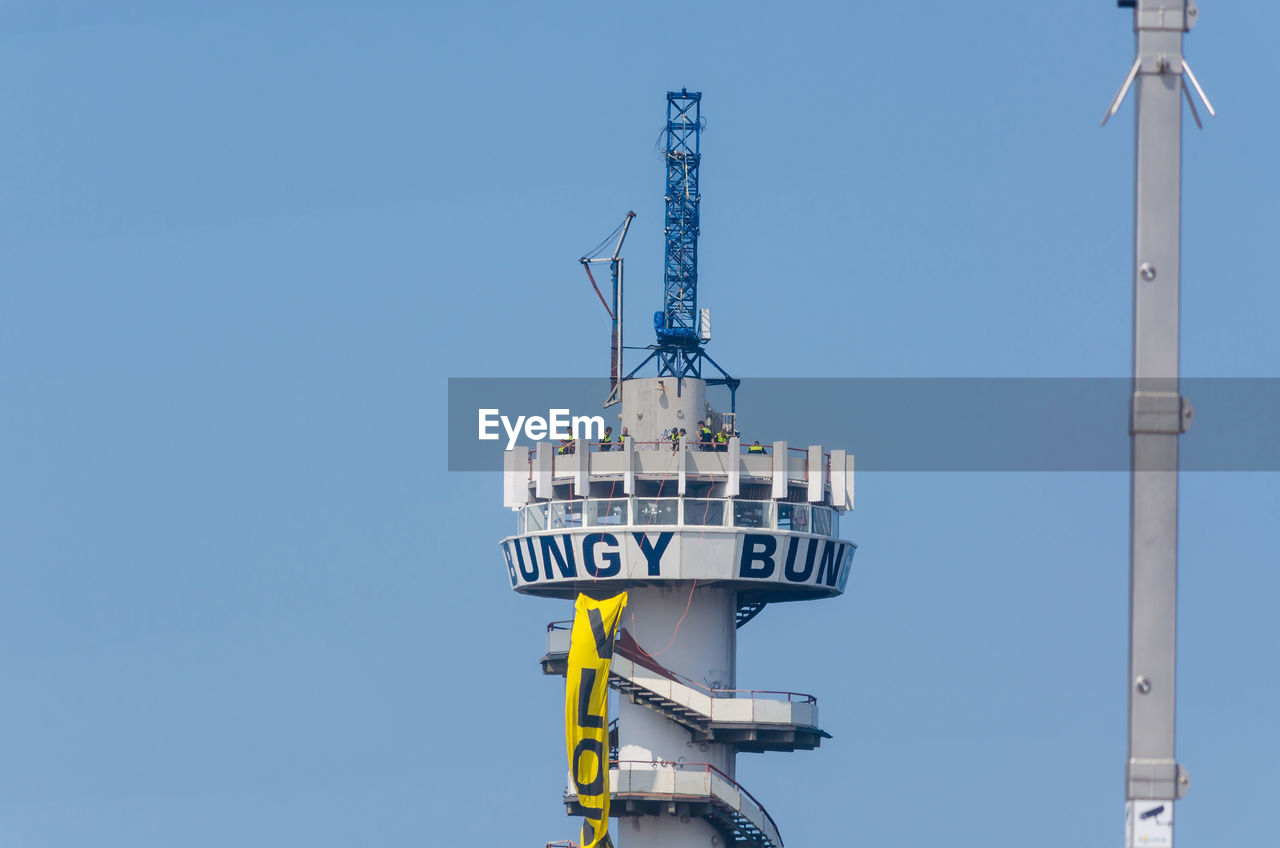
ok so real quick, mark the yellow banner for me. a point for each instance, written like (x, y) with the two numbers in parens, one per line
(586, 719)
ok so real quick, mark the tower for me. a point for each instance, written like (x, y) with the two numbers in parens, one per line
(702, 534)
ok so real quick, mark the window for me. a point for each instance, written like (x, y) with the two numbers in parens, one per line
(822, 521)
(566, 514)
(607, 512)
(793, 516)
(752, 513)
(704, 512)
(535, 518)
(656, 511)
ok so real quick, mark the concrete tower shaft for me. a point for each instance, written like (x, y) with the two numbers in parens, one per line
(652, 406)
(697, 629)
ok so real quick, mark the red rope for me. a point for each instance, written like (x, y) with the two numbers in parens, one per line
(587, 268)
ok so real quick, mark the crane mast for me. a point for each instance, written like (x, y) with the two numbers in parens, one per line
(682, 328)
(679, 324)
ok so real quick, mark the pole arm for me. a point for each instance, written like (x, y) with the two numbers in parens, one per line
(626, 225)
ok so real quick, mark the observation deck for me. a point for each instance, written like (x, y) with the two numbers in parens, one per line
(599, 517)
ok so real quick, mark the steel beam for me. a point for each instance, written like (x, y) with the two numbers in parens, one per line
(1158, 415)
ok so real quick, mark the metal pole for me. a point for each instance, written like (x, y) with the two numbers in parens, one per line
(615, 270)
(1158, 415)
(617, 310)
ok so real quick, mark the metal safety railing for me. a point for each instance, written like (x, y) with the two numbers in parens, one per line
(715, 692)
(629, 649)
(656, 444)
(695, 768)
(816, 519)
(777, 694)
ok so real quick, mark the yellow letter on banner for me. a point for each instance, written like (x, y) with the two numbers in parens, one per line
(586, 697)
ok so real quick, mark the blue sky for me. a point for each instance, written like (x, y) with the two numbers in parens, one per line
(244, 245)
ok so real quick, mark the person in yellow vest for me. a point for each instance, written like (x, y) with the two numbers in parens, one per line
(566, 447)
(722, 441)
(606, 444)
(675, 439)
(756, 448)
(704, 436)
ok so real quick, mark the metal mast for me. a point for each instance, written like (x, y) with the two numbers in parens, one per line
(681, 327)
(1158, 414)
(678, 325)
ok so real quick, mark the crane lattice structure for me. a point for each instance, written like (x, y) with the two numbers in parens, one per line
(682, 328)
(678, 324)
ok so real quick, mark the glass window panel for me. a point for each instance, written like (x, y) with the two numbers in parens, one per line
(704, 512)
(784, 516)
(793, 516)
(566, 514)
(607, 512)
(656, 511)
(752, 513)
(822, 521)
(535, 518)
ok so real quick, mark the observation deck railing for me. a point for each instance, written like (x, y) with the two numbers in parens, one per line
(816, 519)
(616, 446)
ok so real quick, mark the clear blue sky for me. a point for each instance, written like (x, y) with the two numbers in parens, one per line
(244, 244)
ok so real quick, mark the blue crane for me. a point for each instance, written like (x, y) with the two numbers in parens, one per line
(682, 329)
